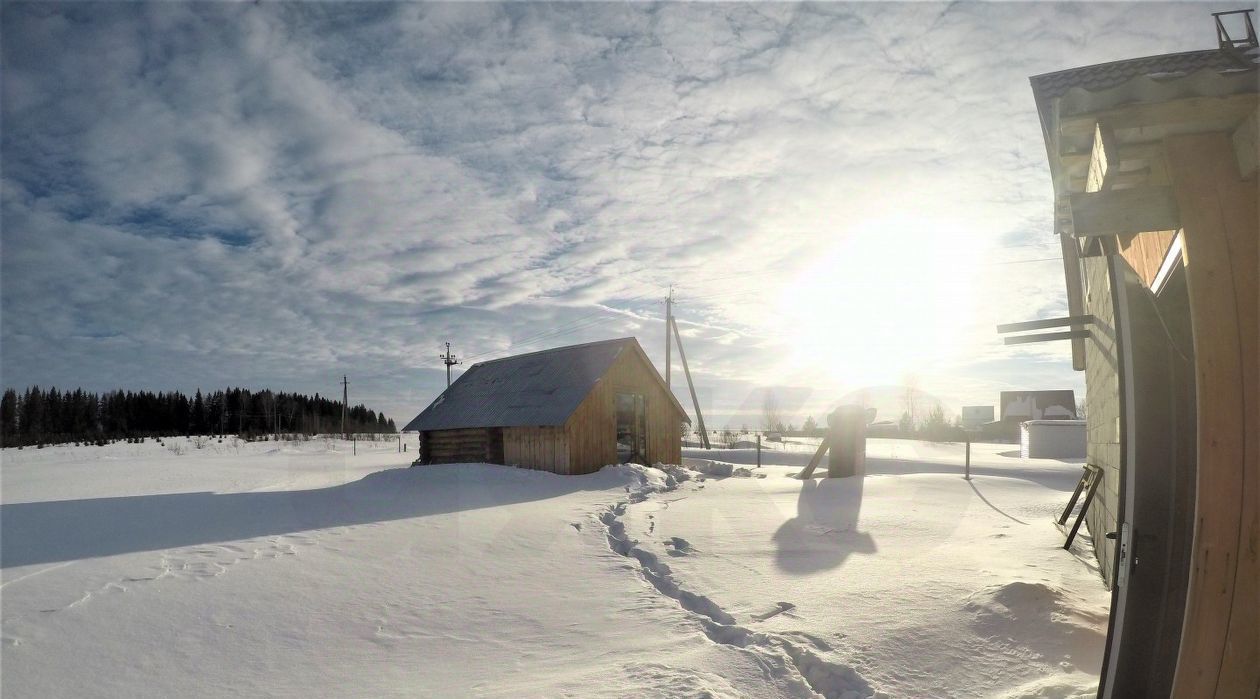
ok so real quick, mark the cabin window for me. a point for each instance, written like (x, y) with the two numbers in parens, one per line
(631, 428)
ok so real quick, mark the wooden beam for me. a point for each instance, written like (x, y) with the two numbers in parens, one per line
(1128, 179)
(1247, 146)
(1220, 641)
(1045, 323)
(1075, 293)
(1124, 211)
(814, 461)
(1123, 153)
(1046, 337)
(1187, 115)
(1103, 160)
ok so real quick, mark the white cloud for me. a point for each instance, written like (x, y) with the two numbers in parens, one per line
(261, 194)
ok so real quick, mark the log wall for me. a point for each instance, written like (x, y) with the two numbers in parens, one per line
(474, 445)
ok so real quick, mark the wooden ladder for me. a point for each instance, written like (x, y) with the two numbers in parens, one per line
(1088, 484)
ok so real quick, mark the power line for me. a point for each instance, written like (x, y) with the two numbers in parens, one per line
(566, 328)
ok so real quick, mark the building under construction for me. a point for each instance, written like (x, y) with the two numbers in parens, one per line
(1154, 164)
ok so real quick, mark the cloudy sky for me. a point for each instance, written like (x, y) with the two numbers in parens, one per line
(843, 196)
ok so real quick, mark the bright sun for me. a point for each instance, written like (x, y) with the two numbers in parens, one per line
(891, 297)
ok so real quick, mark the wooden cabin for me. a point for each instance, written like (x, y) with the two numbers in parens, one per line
(1154, 164)
(567, 410)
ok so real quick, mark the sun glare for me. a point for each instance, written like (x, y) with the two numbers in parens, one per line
(891, 297)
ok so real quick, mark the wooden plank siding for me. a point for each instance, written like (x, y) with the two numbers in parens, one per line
(592, 428)
(540, 448)
(1145, 252)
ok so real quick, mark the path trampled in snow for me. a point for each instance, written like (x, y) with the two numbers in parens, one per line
(299, 569)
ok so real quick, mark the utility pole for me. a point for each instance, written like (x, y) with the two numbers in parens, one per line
(669, 319)
(704, 434)
(345, 397)
(449, 360)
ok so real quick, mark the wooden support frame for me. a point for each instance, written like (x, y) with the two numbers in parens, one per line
(1084, 319)
(1202, 113)
(1075, 293)
(1121, 211)
(1046, 337)
(1089, 482)
(1081, 484)
(816, 459)
(1123, 153)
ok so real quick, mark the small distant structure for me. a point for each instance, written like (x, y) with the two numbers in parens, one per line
(567, 410)
(1052, 439)
(976, 416)
(1017, 407)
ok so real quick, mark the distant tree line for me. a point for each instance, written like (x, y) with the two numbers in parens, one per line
(50, 416)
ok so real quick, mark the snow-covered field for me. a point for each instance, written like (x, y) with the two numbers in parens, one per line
(298, 569)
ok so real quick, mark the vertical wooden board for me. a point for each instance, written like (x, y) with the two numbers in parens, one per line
(540, 445)
(548, 449)
(1240, 669)
(533, 448)
(1197, 169)
(562, 464)
(1145, 253)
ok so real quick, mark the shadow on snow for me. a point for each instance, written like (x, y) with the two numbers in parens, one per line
(824, 531)
(68, 530)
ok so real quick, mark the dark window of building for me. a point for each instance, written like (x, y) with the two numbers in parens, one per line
(631, 428)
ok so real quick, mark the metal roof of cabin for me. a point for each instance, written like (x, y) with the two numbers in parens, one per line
(527, 390)
(1165, 67)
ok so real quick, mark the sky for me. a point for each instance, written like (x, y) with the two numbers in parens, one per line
(843, 196)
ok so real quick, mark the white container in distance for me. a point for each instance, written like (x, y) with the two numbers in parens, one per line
(1052, 439)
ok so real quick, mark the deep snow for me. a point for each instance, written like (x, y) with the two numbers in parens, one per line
(297, 569)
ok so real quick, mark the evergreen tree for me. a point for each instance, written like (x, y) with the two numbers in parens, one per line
(198, 414)
(8, 419)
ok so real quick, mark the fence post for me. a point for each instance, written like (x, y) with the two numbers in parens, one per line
(758, 450)
(968, 474)
(354, 444)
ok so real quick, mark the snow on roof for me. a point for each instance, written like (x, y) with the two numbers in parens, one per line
(535, 389)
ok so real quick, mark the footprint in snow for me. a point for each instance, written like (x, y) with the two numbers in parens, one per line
(678, 546)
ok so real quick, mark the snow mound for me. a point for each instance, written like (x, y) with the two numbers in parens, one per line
(660, 680)
(1074, 686)
(720, 469)
(642, 481)
(1045, 619)
(1024, 603)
